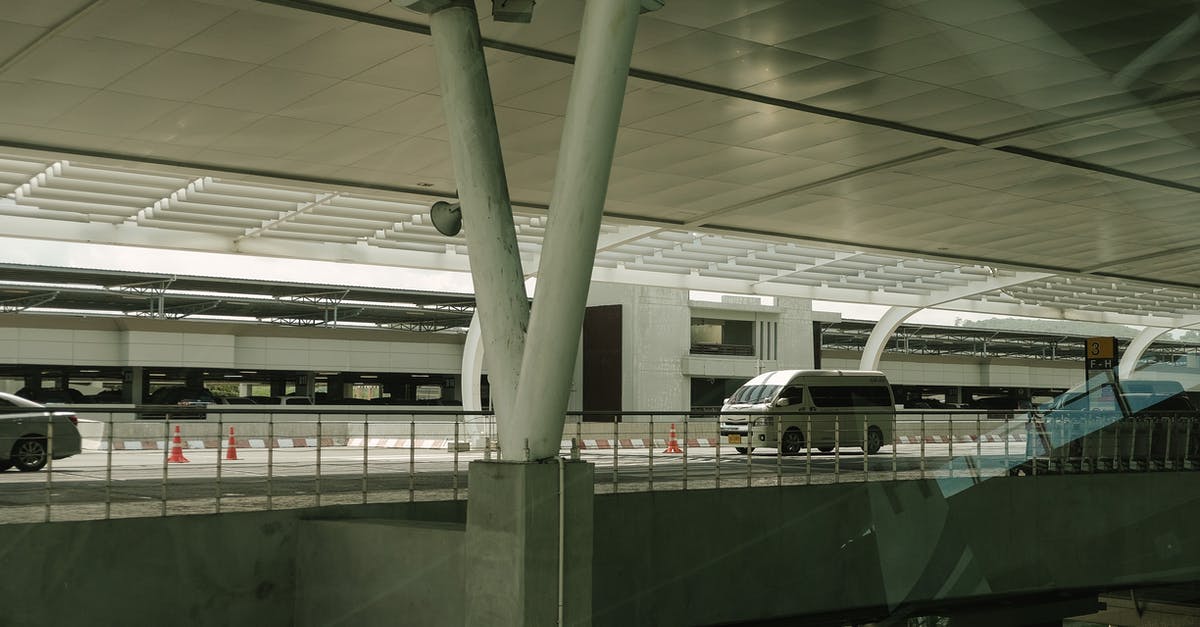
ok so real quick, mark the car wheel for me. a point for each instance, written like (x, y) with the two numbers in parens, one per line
(29, 454)
(874, 440)
(824, 449)
(793, 441)
(742, 450)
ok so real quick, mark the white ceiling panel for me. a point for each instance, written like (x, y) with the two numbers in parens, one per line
(988, 136)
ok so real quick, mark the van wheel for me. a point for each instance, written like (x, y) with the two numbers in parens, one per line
(874, 440)
(742, 450)
(793, 441)
(824, 449)
(29, 454)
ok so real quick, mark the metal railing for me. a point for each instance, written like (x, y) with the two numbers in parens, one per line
(235, 459)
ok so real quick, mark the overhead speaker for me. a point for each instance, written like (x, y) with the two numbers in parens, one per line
(446, 217)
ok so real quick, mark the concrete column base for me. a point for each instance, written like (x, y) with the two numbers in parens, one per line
(512, 549)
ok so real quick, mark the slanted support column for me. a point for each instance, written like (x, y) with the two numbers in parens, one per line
(569, 251)
(887, 325)
(483, 191)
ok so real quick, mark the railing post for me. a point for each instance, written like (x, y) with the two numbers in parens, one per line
(220, 443)
(317, 478)
(1168, 463)
(365, 451)
(616, 452)
(808, 451)
(921, 458)
(49, 463)
(650, 468)
(950, 451)
(978, 444)
(1133, 445)
(166, 453)
(454, 475)
(720, 445)
(866, 461)
(412, 459)
(1007, 434)
(895, 445)
(112, 442)
(837, 448)
(778, 451)
(749, 451)
(270, 461)
(685, 450)
(1187, 444)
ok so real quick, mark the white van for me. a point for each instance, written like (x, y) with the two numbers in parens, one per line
(821, 409)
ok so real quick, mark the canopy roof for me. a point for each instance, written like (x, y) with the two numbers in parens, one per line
(1032, 157)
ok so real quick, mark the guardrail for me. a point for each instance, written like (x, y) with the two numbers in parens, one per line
(236, 459)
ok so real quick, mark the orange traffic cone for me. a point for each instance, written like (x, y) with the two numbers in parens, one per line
(672, 445)
(231, 451)
(177, 449)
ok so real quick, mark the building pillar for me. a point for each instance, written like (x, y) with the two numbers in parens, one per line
(529, 541)
(306, 384)
(134, 385)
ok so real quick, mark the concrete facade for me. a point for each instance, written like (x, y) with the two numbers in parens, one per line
(656, 358)
(73, 341)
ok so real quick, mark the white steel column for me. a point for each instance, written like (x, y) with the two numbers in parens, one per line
(569, 250)
(883, 330)
(483, 192)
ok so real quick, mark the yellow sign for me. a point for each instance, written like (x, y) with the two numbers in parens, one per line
(1102, 348)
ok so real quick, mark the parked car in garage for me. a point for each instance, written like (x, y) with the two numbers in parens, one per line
(186, 403)
(30, 434)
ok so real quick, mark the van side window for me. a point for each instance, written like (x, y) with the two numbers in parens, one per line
(848, 396)
(793, 393)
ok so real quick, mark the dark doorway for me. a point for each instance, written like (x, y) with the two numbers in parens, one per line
(602, 362)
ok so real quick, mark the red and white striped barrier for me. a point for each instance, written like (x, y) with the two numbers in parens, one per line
(945, 439)
(640, 443)
(203, 443)
(399, 443)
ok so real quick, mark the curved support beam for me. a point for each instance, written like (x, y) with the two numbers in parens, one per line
(472, 372)
(1137, 347)
(472, 367)
(883, 330)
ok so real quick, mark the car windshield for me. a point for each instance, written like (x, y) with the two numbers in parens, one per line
(754, 394)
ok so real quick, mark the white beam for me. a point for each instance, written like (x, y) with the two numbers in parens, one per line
(1137, 347)
(888, 323)
(304, 208)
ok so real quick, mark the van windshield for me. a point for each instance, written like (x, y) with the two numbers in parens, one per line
(754, 394)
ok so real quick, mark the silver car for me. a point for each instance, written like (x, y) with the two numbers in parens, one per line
(30, 433)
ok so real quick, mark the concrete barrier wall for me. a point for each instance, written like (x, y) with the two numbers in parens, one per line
(707, 557)
(199, 571)
(661, 559)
